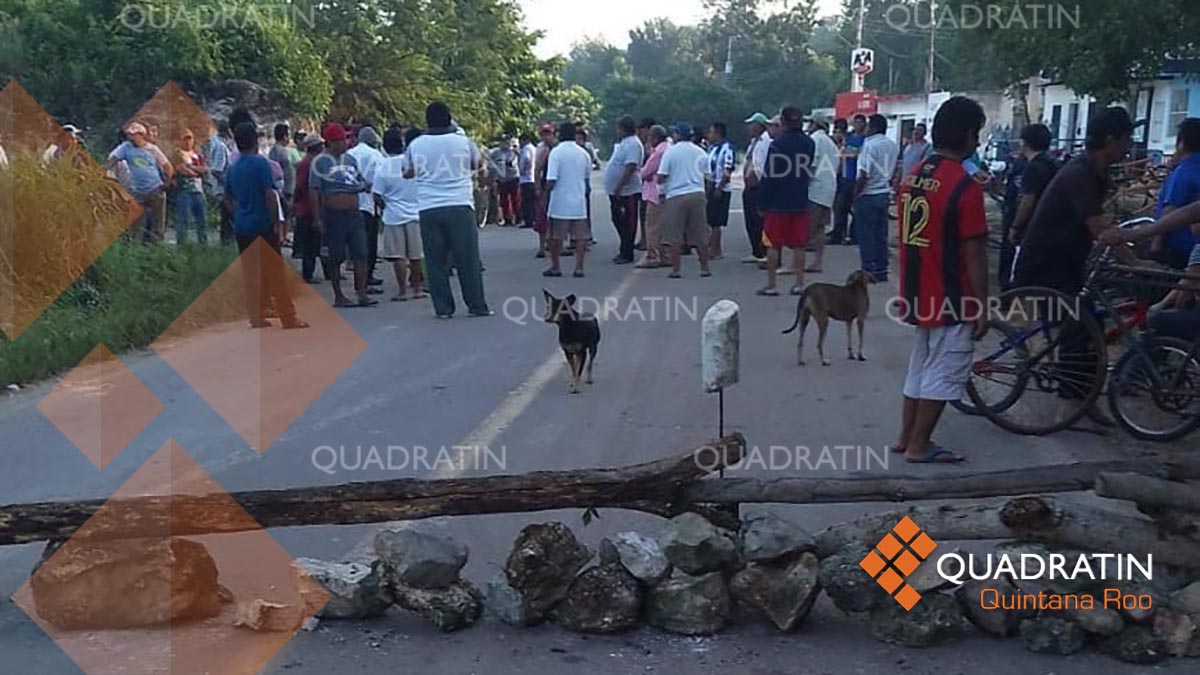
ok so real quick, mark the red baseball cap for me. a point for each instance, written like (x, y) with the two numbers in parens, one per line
(546, 128)
(333, 131)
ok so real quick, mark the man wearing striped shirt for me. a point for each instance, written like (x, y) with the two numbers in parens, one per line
(721, 161)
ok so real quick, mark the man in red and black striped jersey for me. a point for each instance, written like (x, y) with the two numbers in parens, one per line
(943, 276)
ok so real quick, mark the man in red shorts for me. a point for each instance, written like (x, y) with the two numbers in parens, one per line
(943, 277)
(783, 198)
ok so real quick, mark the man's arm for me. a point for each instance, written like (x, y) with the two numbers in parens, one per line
(975, 258)
(1180, 217)
(1024, 213)
(626, 175)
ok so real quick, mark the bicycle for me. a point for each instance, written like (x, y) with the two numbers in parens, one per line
(1046, 361)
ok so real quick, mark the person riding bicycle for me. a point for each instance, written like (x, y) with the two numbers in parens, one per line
(1059, 238)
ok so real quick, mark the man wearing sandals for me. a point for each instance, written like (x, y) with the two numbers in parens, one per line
(943, 277)
(683, 175)
(401, 218)
(334, 183)
(783, 198)
(567, 172)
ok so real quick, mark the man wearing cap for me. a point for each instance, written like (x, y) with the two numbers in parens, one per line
(366, 153)
(752, 172)
(307, 237)
(822, 187)
(784, 199)
(334, 186)
(147, 174)
(624, 186)
(1058, 239)
(444, 164)
(251, 196)
(684, 177)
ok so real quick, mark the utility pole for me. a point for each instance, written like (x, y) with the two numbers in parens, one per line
(729, 61)
(856, 80)
(929, 72)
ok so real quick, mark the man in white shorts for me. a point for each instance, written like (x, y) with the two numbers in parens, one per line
(401, 217)
(567, 172)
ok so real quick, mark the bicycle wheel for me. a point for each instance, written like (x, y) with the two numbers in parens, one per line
(998, 398)
(1154, 391)
(1049, 371)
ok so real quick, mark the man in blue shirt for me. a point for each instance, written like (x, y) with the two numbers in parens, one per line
(851, 144)
(147, 177)
(253, 201)
(1181, 188)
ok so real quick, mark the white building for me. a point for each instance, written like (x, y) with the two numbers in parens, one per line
(904, 111)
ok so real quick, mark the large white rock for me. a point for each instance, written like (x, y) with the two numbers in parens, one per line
(719, 339)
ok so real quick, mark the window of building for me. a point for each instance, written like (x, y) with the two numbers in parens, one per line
(1177, 112)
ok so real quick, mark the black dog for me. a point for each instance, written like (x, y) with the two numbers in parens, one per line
(578, 335)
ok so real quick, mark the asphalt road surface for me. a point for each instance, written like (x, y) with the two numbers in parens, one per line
(501, 382)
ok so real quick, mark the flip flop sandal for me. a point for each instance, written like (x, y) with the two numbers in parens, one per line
(552, 273)
(768, 292)
(705, 274)
(674, 275)
(344, 302)
(400, 298)
(812, 270)
(578, 274)
(796, 290)
(936, 454)
(366, 302)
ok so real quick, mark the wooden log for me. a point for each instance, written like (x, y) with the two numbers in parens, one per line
(653, 487)
(1043, 519)
(876, 487)
(1149, 492)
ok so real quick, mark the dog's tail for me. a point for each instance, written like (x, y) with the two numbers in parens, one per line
(799, 311)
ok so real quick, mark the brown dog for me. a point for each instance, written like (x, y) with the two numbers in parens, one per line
(849, 303)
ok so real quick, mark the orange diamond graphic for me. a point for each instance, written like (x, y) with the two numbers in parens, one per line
(171, 112)
(56, 217)
(872, 564)
(906, 529)
(907, 563)
(101, 406)
(889, 547)
(155, 603)
(923, 546)
(908, 597)
(890, 580)
(259, 381)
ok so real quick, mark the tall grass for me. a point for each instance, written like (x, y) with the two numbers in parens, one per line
(125, 299)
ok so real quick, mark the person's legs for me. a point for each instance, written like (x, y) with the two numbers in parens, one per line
(938, 372)
(819, 219)
(861, 209)
(554, 244)
(581, 236)
(632, 207)
(200, 215)
(182, 215)
(255, 290)
(798, 267)
(371, 231)
(527, 205)
(618, 209)
(304, 240)
(226, 222)
(879, 233)
(773, 256)
(654, 253)
(697, 215)
(274, 281)
(464, 247)
(841, 213)
(753, 224)
(435, 244)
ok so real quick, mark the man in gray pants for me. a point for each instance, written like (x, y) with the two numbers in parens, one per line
(443, 161)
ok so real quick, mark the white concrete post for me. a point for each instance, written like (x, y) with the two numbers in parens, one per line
(719, 353)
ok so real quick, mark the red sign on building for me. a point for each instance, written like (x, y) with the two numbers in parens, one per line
(853, 103)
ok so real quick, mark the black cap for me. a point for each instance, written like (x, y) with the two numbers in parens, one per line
(1111, 122)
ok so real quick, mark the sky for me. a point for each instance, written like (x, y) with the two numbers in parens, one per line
(566, 22)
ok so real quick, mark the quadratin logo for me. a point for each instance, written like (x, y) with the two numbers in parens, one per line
(896, 557)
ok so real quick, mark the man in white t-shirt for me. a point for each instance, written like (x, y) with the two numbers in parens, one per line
(872, 191)
(444, 164)
(624, 186)
(567, 173)
(367, 154)
(526, 161)
(685, 177)
(822, 187)
(401, 217)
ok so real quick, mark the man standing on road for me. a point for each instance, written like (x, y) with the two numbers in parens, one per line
(624, 189)
(508, 180)
(366, 153)
(915, 151)
(1038, 170)
(784, 198)
(822, 188)
(281, 153)
(872, 191)
(401, 218)
(752, 173)
(444, 164)
(683, 177)
(943, 277)
(541, 222)
(526, 160)
(252, 198)
(334, 186)
(566, 178)
(721, 162)
(306, 236)
(850, 140)
(652, 198)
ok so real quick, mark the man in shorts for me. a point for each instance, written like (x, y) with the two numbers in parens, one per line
(685, 178)
(334, 183)
(401, 216)
(783, 198)
(943, 277)
(567, 172)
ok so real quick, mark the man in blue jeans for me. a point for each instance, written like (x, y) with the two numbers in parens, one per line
(872, 191)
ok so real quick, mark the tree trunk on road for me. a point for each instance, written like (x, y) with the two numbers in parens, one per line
(653, 487)
(1149, 492)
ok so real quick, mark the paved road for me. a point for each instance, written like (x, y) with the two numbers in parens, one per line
(500, 382)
